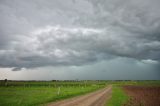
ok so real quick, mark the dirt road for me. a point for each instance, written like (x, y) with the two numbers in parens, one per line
(97, 98)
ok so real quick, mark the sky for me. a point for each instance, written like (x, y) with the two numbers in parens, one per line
(80, 39)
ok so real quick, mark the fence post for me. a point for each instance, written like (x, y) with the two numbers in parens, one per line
(59, 89)
(5, 82)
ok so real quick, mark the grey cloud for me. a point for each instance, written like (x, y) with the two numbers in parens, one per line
(37, 33)
(16, 69)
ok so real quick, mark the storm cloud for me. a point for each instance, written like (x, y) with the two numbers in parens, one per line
(39, 33)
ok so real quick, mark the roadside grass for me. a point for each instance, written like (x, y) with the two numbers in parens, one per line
(33, 96)
(119, 97)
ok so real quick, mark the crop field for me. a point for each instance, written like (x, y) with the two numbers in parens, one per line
(143, 96)
(33, 93)
(135, 93)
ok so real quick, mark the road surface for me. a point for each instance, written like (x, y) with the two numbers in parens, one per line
(97, 98)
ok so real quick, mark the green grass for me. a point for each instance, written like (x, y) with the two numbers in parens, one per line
(33, 96)
(33, 93)
(118, 97)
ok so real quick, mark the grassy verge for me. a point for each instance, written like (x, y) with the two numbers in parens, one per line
(118, 97)
(33, 96)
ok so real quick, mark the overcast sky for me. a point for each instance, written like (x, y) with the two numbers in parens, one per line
(79, 39)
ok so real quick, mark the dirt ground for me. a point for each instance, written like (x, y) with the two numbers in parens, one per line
(143, 96)
(97, 98)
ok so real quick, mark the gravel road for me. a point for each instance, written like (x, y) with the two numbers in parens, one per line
(97, 98)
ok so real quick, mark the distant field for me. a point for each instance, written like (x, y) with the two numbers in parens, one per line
(32, 93)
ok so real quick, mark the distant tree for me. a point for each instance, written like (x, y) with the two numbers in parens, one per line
(53, 80)
(5, 82)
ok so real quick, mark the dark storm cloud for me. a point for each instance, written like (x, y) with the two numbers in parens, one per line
(37, 33)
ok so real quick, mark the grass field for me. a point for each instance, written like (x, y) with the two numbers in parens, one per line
(36, 93)
(119, 97)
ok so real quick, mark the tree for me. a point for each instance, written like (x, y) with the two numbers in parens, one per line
(5, 82)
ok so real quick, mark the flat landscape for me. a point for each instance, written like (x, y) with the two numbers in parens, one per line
(79, 52)
(31, 93)
(79, 93)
